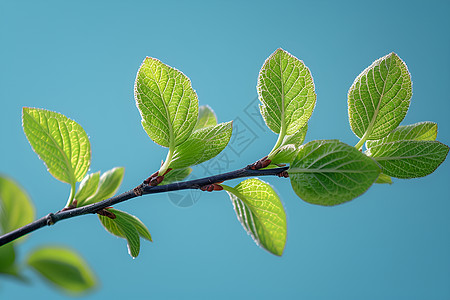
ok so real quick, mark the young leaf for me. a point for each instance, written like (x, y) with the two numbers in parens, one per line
(329, 172)
(261, 213)
(16, 209)
(409, 159)
(379, 98)
(166, 101)
(383, 178)
(285, 154)
(206, 117)
(60, 142)
(108, 185)
(63, 268)
(202, 145)
(88, 187)
(423, 131)
(122, 226)
(176, 175)
(286, 91)
(296, 138)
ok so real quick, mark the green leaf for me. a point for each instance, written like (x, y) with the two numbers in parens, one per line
(286, 91)
(409, 159)
(297, 138)
(108, 185)
(285, 154)
(16, 209)
(176, 175)
(261, 213)
(122, 226)
(7, 260)
(88, 187)
(383, 178)
(202, 145)
(206, 117)
(64, 268)
(379, 98)
(60, 142)
(166, 101)
(329, 172)
(423, 131)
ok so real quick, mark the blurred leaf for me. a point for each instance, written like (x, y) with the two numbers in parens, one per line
(423, 131)
(383, 178)
(202, 145)
(261, 213)
(7, 260)
(108, 185)
(16, 209)
(206, 117)
(166, 101)
(329, 172)
(379, 98)
(409, 159)
(63, 268)
(88, 187)
(176, 175)
(60, 142)
(122, 226)
(286, 91)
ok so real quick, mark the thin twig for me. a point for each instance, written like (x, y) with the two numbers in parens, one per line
(142, 189)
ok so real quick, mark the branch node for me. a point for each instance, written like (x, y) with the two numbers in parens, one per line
(212, 187)
(50, 219)
(138, 190)
(284, 174)
(106, 213)
(262, 163)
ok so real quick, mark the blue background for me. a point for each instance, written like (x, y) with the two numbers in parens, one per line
(80, 58)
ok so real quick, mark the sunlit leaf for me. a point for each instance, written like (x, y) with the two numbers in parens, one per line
(60, 142)
(423, 131)
(88, 187)
(261, 213)
(379, 98)
(64, 268)
(202, 145)
(286, 91)
(176, 175)
(409, 159)
(329, 172)
(16, 209)
(166, 101)
(108, 185)
(285, 154)
(296, 138)
(206, 117)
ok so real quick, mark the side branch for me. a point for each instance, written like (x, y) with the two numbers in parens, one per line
(140, 190)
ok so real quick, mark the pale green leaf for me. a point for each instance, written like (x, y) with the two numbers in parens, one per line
(329, 172)
(16, 208)
(88, 187)
(202, 145)
(286, 91)
(108, 185)
(60, 142)
(383, 178)
(261, 213)
(297, 138)
(423, 131)
(285, 154)
(122, 226)
(206, 117)
(176, 175)
(166, 101)
(64, 268)
(409, 159)
(379, 98)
